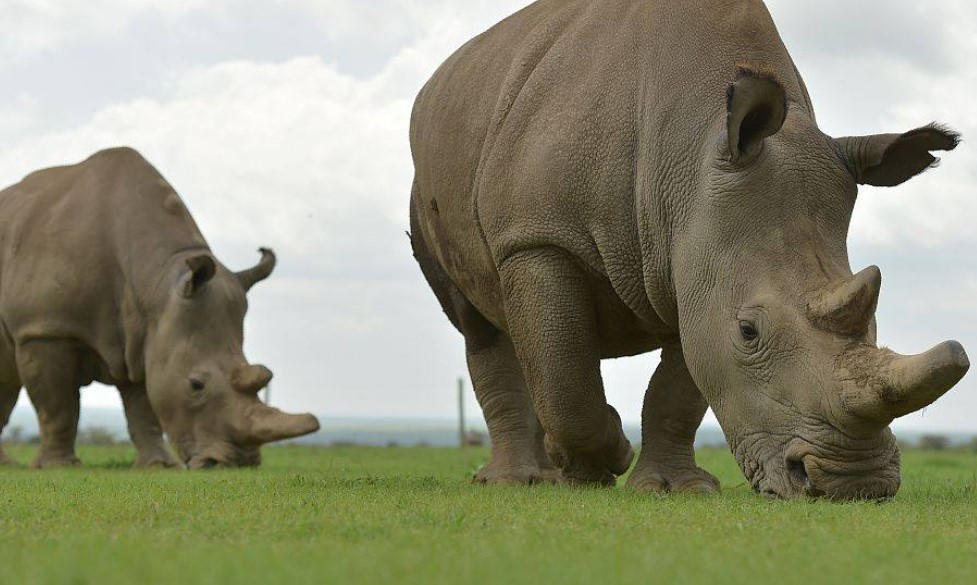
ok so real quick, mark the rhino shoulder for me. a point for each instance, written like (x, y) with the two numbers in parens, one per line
(118, 153)
(118, 156)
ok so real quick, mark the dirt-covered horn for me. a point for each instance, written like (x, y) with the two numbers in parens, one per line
(903, 384)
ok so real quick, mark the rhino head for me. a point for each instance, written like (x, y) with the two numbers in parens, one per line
(201, 386)
(777, 331)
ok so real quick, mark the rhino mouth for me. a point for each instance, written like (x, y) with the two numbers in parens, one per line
(805, 469)
(203, 463)
(874, 478)
(227, 457)
(879, 488)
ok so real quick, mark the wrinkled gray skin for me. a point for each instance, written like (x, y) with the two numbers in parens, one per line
(105, 277)
(602, 178)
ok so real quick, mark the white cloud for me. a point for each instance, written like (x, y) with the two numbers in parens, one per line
(18, 117)
(279, 142)
(387, 20)
(873, 68)
(911, 31)
(32, 26)
(316, 163)
(298, 145)
(404, 20)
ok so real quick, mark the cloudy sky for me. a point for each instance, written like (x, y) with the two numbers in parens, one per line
(284, 123)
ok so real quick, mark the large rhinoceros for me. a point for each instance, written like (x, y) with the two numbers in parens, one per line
(104, 276)
(602, 178)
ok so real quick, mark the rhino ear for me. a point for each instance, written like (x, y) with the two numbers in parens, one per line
(887, 160)
(200, 270)
(756, 109)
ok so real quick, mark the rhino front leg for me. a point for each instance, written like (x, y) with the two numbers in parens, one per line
(672, 412)
(517, 437)
(144, 428)
(552, 321)
(49, 370)
(8, 399)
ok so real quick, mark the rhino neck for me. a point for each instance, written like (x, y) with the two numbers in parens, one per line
(152, 244)
(685, 70)
(147, 290)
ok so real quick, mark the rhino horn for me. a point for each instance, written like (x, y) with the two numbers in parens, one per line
(250, 379)
(849, 307)
(905, 384)
(260, 271)
(267, 424)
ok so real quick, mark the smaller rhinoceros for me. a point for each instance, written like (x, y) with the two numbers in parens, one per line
(104, 276)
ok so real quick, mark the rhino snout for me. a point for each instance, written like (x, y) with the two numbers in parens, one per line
(225, 458)
(815, 476)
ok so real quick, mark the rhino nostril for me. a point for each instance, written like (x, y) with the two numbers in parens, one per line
(209, 463)
(799, 475)
(765, 491)
(797, 472)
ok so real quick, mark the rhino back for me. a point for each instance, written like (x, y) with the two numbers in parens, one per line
(583, 125)
(82, 249)
(455, 119)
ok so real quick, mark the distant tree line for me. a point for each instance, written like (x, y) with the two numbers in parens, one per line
(97, 435)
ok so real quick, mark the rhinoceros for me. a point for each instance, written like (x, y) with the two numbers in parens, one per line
(104, 276)
(604, 178)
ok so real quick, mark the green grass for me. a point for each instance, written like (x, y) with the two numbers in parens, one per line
(361, 515)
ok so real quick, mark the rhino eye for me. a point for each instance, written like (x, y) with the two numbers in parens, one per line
(748, 331)
(196, 384)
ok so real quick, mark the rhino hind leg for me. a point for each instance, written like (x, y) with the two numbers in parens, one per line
(553, 323)
(144, 429)
(518, 456)
(516, 436)
(49, 370)
(8, 399)
(672, 412)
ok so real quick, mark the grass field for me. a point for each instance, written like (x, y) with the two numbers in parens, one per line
(362, 515)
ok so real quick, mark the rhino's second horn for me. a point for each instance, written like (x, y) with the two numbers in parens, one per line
(849, 307)
(258, 272)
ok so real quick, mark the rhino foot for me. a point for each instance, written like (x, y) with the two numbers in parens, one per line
(589, 468)
(551, 475)
(578, 472)
(499, 472)
(155, 462)
(55, 462)
(6, 460)
(661, 480)
(600, 466)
